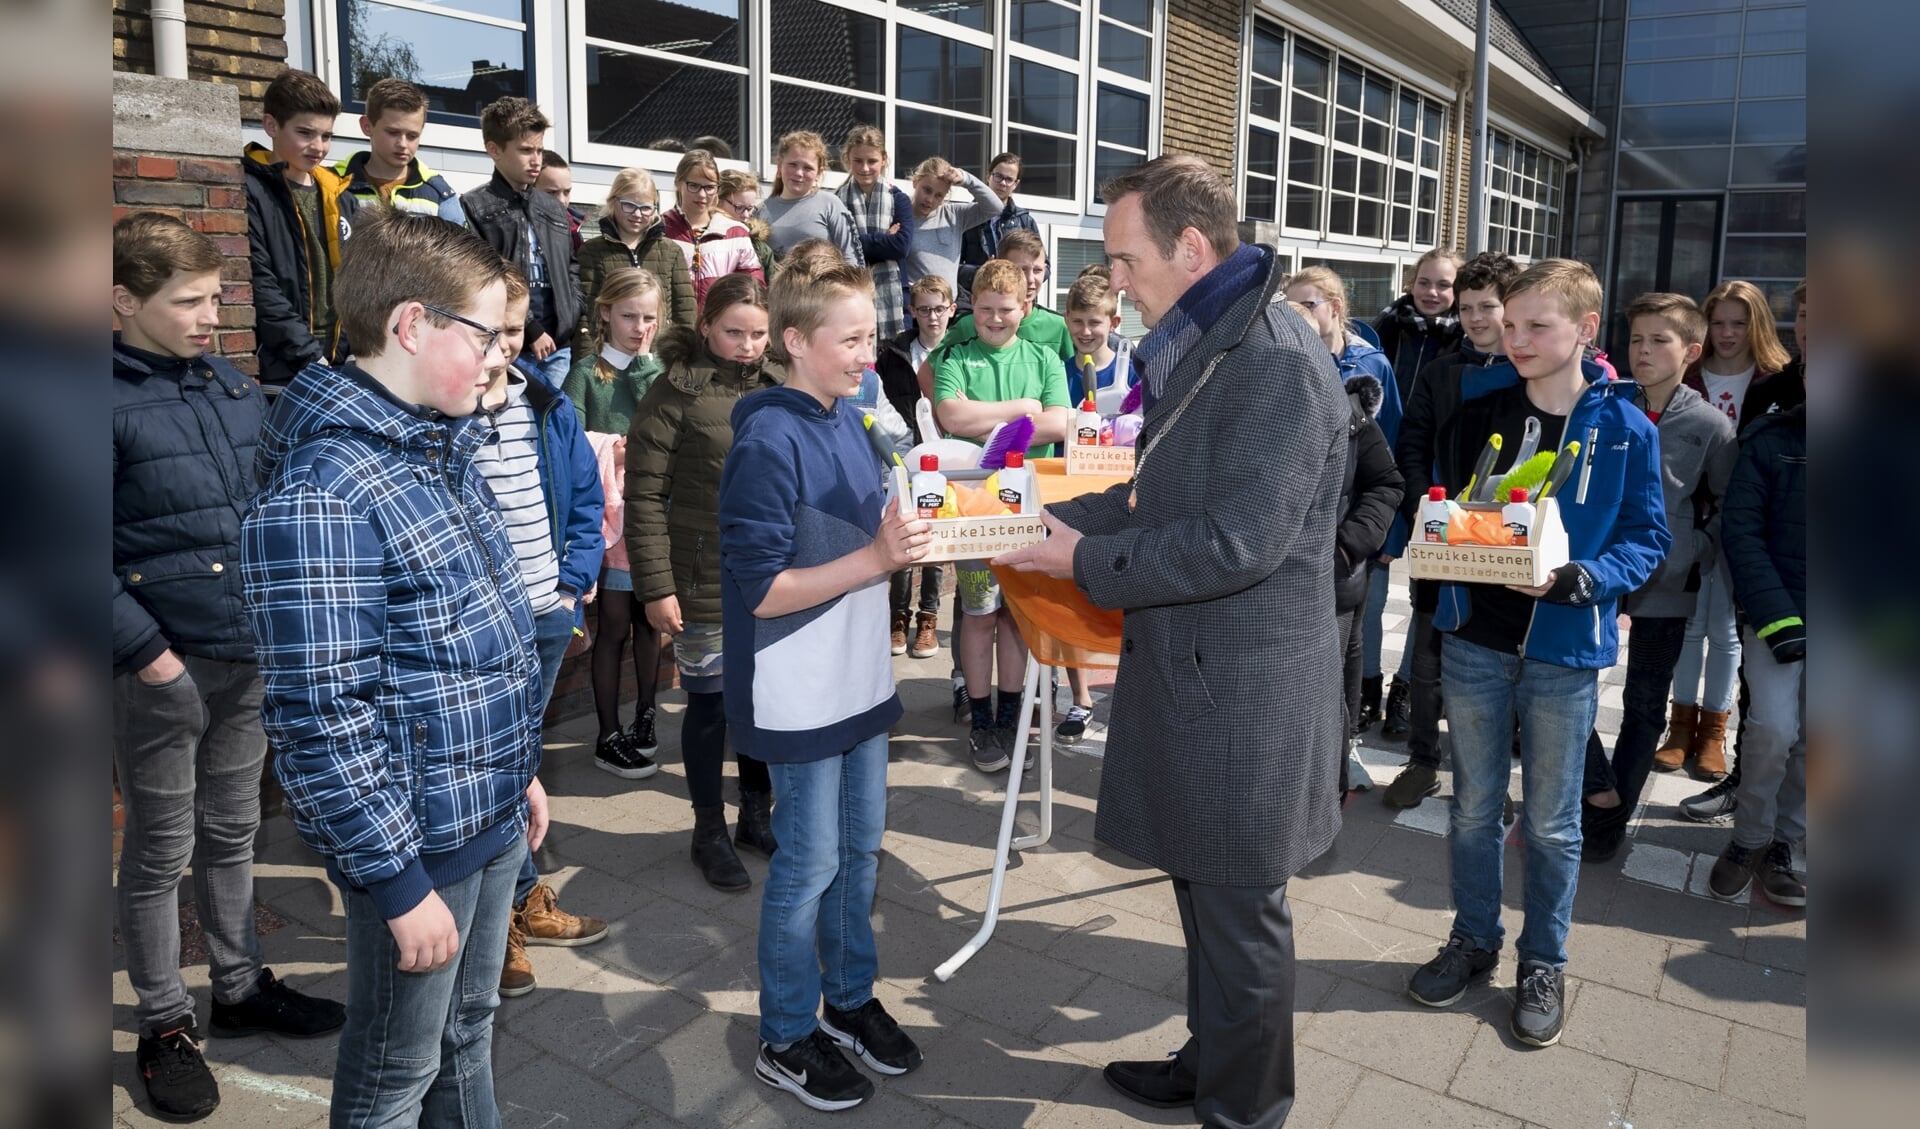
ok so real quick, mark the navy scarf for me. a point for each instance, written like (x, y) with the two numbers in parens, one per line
(1196, 311)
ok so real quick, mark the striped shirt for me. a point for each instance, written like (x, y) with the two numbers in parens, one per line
(511, 463)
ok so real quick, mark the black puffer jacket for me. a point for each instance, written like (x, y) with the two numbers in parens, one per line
(499, 214)
(1411, 340)
(184, 434)
(283, 279)
(1369, 495)
(1763, 525)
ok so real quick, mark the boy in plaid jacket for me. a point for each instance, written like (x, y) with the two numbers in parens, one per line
(396, 642)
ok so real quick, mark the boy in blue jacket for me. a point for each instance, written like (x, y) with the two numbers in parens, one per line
(805, 553)
(396, 641)
(1534, 654)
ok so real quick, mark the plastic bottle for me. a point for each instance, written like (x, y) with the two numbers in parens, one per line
(929, 487)
(1086, 428)
(1016, 482)
(1433, 515)
(1518, 515)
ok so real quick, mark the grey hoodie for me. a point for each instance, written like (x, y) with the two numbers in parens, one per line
(1697, 453)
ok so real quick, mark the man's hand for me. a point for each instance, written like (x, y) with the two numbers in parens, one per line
(1384, 558)
(543, 347)
(536, 814)
(664, 615)
(901, 540)
(162, 670)
(1054, 556)
(425, 935)
(1537, 591)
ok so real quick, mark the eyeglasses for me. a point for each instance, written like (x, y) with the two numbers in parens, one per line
(697, 186)
(641, 211)
(930, 311)
(745, 211)
(1002, 178)
(493, 335)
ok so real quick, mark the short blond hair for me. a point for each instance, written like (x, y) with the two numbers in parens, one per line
(628, 182)
(517, 288)
(811, 254)
(998, 276)
(1021, 240)
(800, 297)
(931, 284)
(1676, 310)
(1573, 283)
(621, 284)
(933, 168)
(397, 257)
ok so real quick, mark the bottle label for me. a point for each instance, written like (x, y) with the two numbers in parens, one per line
(929, 503)
(1436, 531)
(1519, 531)
(1089, 436)
(1010, 498)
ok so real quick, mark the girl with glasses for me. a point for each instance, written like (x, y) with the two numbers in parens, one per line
(632, 235)
(712, 243)
(740, 199)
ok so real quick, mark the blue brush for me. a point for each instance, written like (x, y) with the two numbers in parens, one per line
(1013, 435)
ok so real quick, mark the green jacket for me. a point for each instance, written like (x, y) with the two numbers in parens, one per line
(608, 405)
(605, 253)
(678, 445)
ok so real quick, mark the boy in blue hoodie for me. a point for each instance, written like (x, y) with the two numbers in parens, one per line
(396, 642)
(805, 553)
(1535, 653)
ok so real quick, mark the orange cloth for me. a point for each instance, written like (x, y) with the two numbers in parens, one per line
(1477, 527)
(1058, 623)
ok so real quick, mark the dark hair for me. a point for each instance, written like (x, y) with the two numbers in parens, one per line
(507, 120)
(1489, 270)
(718, 147)
(393, 94)
(1178, 192)
(397, 257)
(1008, 158)
(298, 92)
(149, 248)
(1677, 310)
(728, 291)
(552, 160)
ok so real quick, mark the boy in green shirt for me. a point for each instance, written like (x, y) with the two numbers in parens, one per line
(1028, 255)
(979, 383)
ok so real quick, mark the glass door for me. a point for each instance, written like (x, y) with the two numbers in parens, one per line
(1664, 243)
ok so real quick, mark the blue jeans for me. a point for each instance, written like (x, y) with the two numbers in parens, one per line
(418, 1046)
(551, 634)
(553, 370)
(1485, 690)
(1711, 629)
(817, 910)
(1372, 631)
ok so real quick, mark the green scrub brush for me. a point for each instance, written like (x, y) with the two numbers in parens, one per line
(1527, 476)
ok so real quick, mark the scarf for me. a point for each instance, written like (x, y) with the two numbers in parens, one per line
(1411, 320)
(1196, 311)
(873, 215)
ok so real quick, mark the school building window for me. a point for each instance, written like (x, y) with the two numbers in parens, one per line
(1337, 149)
(1073, 253)
(1067, 84)
(462, 53)
(1523, 197)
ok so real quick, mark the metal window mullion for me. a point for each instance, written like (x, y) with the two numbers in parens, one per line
(455, 14)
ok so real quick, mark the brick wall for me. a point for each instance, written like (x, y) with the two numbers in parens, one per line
(1201, 85)
(206, 193)
(239, 42)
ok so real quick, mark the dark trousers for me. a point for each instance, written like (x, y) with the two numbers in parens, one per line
(1239, 1003)
(900, 591)
(1653, 650)
(1423, 696)
(1347, 625)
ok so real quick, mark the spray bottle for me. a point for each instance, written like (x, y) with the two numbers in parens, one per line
(1518, 516)
(929, 488)
(1433, 515)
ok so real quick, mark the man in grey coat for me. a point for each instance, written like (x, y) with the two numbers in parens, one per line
(1227, 722)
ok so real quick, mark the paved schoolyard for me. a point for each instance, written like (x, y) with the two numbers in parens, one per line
(1682, 1011)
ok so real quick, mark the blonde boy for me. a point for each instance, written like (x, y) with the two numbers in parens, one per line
(1532, 655)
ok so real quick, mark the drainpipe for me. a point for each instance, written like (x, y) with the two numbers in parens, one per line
(169, 38)
(1581, 152)
(1477, 178)
(1457, 237)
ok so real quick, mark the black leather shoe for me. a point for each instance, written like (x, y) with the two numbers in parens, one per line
(713, 852)
(755, 830)
(1163, 1083)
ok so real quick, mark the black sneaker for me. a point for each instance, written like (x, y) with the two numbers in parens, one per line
(1715, 805)
(1011, 738)
(1777, 879)
(814, 1071)
(1732, 872)
(1398, 721)
(279, 1009)
(1444, 979)
(1536, 1003)
(1074, 725)
(640, 735)
(179, 1085)
(1415, 783)
(962, 703)
(868, 1031)
(615, 753)
(989, 751)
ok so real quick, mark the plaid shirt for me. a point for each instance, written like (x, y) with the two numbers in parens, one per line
(395, 636)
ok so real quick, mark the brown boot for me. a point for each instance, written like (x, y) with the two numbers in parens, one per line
(926, 642)
(1710, 746)
(543, 922)
(899, 634)
(1673, 751)
(516, 973)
